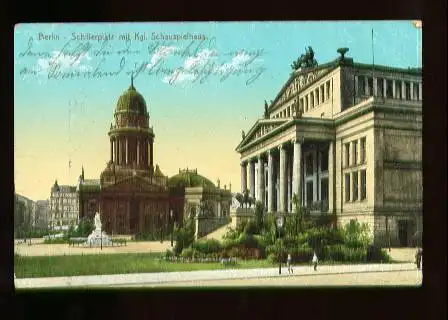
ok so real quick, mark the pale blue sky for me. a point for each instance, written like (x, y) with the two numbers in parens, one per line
(189, 119)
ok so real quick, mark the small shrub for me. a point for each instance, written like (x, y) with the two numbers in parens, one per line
(376, 254)
(356, 235)
(56, 241)
(251, 228)
(188, 253)
(343, 253)
(231, 234)
(169, 253)
(244, 253)
(207, 246)
(272, 258)
(119, 240)
(184, 236)
(301, 254)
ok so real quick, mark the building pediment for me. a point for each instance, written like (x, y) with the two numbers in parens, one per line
(298, 82)
(134, 184)
(261, 128)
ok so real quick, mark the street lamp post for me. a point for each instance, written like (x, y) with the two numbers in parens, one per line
(280, 221)
(172, 226)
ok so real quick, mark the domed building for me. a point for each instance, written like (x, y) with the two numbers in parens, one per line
(193, 195)
(131, 195)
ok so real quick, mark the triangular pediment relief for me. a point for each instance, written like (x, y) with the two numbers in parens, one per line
(298, 82)
(260, 129)
(133, 184)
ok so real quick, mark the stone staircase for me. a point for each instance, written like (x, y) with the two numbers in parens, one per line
(218, 233)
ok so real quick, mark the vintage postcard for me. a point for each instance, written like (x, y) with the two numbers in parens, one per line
(218, 154)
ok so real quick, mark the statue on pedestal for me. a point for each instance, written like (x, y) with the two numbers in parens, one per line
(266, 113)
(97, 221)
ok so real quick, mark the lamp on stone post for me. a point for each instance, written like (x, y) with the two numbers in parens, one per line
(280, 221)
(172, 226)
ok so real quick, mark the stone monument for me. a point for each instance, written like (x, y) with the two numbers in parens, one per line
(98, 237)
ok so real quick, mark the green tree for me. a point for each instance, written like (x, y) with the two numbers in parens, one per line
(85, 227)
(259, 215)
(246, 197)
(299, 213)
(240, 198)
(184, 235)
(357, 234)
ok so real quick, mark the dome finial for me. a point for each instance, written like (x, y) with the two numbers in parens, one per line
(132, 79)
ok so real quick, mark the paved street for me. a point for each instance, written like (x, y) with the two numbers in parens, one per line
(395, 278)
(403, 273)
(40, 249)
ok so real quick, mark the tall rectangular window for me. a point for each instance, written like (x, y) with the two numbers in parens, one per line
(309, 165)
(361, 86)
(355, 151)
(370, 85)
(407, 88)
(415, 90)
(389, 92)
(309, 192)
(347, 187)
(363, 184)
(322, 93)
(363, 150)
(324, 160)
(355, 186)
(379, 87)
(398, 90)
(316, 92)
(324, 189)
(312, 99)
(328, 89)
(347, 154)
(306, 103)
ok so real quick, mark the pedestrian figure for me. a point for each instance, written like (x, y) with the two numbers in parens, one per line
(289, 264)
(315, 261)
(418, 258)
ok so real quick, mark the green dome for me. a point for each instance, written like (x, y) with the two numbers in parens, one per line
(189, 178)
(132, 101)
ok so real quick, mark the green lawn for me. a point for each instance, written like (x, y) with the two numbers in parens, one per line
(77, 265)
(80, 265)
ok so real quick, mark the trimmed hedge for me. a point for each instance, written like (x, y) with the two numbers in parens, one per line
(339, 253)
(63, 240)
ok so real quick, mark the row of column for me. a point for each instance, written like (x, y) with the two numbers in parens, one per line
(142, 145)
(394, 87)
(258, 193)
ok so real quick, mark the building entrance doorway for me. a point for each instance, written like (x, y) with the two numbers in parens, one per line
(403, 232)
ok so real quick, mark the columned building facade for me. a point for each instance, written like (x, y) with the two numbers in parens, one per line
(346, 139)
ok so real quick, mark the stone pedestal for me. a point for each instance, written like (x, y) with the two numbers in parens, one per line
(97, 239)
(241, 215)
